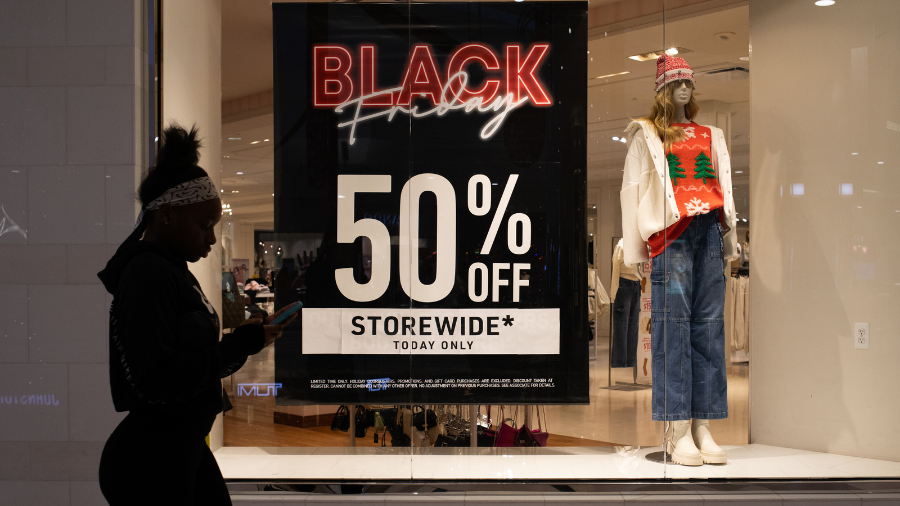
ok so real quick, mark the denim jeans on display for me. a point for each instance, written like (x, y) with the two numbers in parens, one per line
(688, 325)
(626, 310)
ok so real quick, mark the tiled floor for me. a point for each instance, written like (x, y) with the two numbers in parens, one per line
(597, 463)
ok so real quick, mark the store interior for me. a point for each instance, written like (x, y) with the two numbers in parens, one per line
(620, 87)
(824, 413)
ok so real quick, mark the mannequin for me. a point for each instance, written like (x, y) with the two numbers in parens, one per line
(677, 208)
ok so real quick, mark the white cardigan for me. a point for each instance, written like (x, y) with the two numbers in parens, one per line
(648, 200)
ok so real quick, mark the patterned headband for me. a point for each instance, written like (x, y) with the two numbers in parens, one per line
(189, 192)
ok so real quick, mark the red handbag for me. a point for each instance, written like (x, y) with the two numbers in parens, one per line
(524, 436)
(540, 437)
(506, 434)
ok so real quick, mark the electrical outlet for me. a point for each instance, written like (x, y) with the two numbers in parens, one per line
(861, 336)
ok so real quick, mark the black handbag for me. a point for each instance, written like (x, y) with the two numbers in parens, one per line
(422, 418)
(398, 438)
(444, 441)
(389, 416)
(361, 426)
(341, 420)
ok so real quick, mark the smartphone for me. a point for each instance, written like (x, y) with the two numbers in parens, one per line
(293, 308)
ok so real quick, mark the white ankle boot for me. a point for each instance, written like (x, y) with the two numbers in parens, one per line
(681, 445)
(709, 450)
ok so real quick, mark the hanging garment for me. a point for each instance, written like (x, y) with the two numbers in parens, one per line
(626, 314)
(598, 298)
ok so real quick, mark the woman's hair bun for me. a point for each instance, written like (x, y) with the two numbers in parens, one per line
(179, 148)
(176, 163)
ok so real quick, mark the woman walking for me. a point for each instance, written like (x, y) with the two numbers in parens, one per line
(165, 357)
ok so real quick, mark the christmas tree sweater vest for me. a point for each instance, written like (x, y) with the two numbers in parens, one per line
(694, 181)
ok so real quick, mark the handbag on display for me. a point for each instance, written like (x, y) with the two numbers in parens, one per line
(424, 418)
(435, 432)
(486, 437)
(540, 435)
(418, 417)
(506, 434)
(419, 438)
(361, 427)
(524, 437)
(444, 441)
(398, 437)
(341, 420)
(389, 416)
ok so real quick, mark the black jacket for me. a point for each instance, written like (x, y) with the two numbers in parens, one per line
(164, 348)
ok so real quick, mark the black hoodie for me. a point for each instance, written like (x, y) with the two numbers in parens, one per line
(164, 350)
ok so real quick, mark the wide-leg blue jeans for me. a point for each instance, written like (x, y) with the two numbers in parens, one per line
(687, 328)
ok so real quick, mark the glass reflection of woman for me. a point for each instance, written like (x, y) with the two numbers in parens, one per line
(165, 358)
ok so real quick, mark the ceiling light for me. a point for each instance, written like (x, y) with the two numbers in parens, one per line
(824, 3)
(672, 50)
(255, 142)
(616, 138)
(854, 153)
(622, 139)
(234, 138)
(656, 54)
(744, 58)
(265, 140)
(745, 220)
(613, 75)
(240, 173)
(738, 172)
(880, 163)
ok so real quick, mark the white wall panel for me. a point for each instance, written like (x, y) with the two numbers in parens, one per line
(825, 259)
(23, 419)
(66, 66)
(13, 66)
(33, 23)
(68, 323)
(33, 130)
(14, 201)
(65, 205)
(47, 493)
(14, 323)
(33, 264)
(101, 125)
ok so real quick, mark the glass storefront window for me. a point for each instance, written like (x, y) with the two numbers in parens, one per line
(487, 265)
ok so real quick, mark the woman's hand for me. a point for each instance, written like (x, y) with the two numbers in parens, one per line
(271, 318)
(272, 332)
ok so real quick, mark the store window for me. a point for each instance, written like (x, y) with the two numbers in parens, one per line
(541, 277)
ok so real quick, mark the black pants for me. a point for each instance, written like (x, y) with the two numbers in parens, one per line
(154, 459)
(626, 311)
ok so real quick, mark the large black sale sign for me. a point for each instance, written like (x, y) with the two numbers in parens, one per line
(430, 166)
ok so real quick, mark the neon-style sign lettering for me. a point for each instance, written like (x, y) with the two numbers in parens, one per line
(248, 389)
(516, 76)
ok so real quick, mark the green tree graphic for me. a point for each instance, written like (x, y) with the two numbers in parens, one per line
(703, 168)
(675, 170)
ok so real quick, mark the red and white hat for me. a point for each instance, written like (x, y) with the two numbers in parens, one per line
(672, 68)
